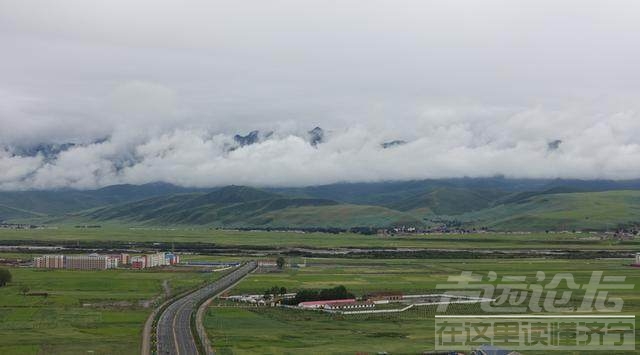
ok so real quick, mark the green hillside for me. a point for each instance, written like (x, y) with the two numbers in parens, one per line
(494, 203)
(57, 202)
(395, 193)
(563, 211)
(7, 212)
(388, 193)
(448, 201)
(341, 216)
(240, 206)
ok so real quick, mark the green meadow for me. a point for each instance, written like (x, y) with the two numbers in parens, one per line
(251, 330)
(96, 312)
(102, 312)
(271, 239)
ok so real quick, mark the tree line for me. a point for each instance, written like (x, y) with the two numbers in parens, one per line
(335, 293)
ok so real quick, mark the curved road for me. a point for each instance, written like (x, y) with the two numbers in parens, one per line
(174, 326)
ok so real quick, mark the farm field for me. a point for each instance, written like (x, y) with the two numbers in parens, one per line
(98, 312)
(264, 239)
(250, 330)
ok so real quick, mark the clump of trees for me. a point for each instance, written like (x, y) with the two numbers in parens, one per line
(5, 277)
(280, 262)
(338, 292)
(364, 230)
(274, 292)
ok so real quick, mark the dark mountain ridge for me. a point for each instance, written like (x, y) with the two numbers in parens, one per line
(236, 206)
(346, 204)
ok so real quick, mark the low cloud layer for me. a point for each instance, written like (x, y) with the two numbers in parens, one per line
(440, 143)
(95, 95)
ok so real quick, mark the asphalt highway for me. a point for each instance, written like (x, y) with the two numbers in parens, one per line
(174, 336)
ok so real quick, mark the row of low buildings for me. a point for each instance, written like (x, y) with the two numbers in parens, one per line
(4, 225)
(102, 262)
(82, 262)
(154, 260)
(368, 301)
(341, 304)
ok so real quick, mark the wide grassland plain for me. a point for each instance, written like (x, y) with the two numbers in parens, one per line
(87, 237)
(251, 330)
(101, 311)
(98, 312)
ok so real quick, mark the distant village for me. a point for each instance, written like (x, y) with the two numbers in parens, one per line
(442, 227)
(5, 225)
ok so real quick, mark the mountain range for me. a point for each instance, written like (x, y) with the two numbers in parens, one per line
(496, 203)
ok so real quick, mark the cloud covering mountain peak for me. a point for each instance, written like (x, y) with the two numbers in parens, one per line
(99, 94)
(513, 144)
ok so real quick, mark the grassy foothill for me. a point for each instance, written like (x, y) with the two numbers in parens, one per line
(420, 204)
(97, 312)
(252, 330)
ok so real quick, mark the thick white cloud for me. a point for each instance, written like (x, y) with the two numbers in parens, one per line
(514, 144)
(155, 90)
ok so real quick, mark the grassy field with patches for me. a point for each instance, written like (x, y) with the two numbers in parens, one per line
(235, 330)
(494, 241)
(99, 312)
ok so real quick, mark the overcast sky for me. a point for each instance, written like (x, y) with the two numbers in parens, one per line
(155, 90)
